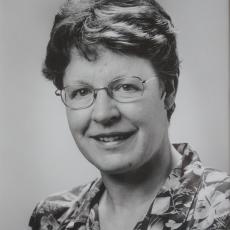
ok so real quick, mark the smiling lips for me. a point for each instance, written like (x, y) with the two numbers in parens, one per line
(113, 137)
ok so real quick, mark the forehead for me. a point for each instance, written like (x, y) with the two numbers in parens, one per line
(105, 67)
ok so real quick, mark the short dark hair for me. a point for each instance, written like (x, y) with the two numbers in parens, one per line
(130, 27)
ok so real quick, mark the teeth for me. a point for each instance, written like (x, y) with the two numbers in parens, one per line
(110, 139)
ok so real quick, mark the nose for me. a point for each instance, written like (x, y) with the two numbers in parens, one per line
(105, 110)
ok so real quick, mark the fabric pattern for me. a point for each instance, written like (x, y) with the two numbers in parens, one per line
(192, 198)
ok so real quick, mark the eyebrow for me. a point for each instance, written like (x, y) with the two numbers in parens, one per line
(79, 82)
(91, 85)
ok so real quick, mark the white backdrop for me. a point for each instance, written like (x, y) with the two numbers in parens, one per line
(37, 153)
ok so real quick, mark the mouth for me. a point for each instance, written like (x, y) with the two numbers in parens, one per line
(114, 137)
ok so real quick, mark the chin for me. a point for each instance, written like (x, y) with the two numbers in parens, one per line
(108, 162)
(116, 169)
(119, 163)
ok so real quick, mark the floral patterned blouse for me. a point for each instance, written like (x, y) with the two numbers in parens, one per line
(193, 197)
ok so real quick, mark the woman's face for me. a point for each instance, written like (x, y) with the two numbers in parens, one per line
(117, 137)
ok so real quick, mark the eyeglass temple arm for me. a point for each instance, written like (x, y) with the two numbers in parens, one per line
(145, 81)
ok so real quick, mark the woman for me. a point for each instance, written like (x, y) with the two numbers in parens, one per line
(116, 69)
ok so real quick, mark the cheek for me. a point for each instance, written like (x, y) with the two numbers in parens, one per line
(78, 121)
(151, 119)
(147, 112)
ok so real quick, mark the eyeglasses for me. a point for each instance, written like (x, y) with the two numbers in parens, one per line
(123, 90)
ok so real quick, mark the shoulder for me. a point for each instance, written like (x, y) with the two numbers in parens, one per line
(56, 206)
(216, 179)
(215, 185)
(212, 203)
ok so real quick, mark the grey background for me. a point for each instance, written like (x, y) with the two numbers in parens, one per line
(37, 153)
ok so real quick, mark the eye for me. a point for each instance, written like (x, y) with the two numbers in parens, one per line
(127, 87)
(79, 93)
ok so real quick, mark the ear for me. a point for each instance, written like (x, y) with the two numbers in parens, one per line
(170, 90)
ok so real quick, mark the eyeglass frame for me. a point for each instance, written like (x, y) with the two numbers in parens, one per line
(58, 92)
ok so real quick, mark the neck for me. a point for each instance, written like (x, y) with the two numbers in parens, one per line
(140, 186)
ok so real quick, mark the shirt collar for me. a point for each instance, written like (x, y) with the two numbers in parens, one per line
(80, 210)
(174, 200)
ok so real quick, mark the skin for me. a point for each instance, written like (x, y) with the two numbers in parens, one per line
(132, 170)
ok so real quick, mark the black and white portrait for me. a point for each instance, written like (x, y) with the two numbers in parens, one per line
(114, 115)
